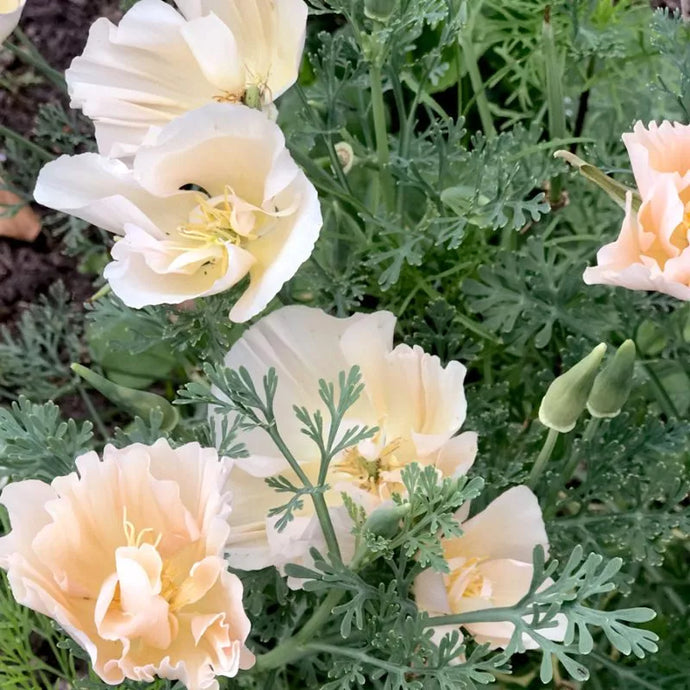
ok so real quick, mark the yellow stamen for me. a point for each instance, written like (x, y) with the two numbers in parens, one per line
(367, 473)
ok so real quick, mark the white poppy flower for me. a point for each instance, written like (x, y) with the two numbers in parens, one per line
(490, 566)
(255, 213)
(10, 11)
(417, 404)
(160, 63)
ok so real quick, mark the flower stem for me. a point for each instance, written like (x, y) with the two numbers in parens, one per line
(381, 134)
(554, 96)
(32, 56)
(318, 500)
(23, 141)
(590, 432)
(478, 86)
(292, 648)
(543, 458)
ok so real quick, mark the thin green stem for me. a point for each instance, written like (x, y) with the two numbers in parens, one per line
(326, 526)
(495, 615)
(543, 458)
(590, 432)
(381, 134)
(458, 63)
(23, 141)
(318, 499)
(32, 56)
(470, 56)
(662, 395)
(554, 96)
(93, 412)
(294, 647)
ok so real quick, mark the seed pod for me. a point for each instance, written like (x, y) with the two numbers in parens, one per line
(612, 385)
(567, 395)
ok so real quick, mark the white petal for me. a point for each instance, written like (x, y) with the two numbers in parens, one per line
(104, 192)
(509, 527)
(270, 36)
(10, 12)
(136, 75)
(144, 272)
(456, 456)
(280, 253)
(219, 145)
(430, 593)
(215, 49)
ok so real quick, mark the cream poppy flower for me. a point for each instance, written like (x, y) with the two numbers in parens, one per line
(417, 404)
(255, 213)
(10, 12)
(490, 567)
(126, 556)
(160, 63)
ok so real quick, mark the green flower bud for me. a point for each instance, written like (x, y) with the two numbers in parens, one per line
(651, 339)
(567, 395)
(379, 10)
(612, 386)
(135, 402)
(385, 521)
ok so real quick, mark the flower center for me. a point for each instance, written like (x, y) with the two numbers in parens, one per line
(137, 539)
(467, 581)
(679, 237)
(252, 96)
(220, 219)
(177, 587)
(373, 475)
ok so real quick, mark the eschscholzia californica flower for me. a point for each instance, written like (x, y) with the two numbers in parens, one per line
(253, 211)
(126, 556)
(160, 63)
(417, 404)
(652, 251)
(490, 566)
(10, 12)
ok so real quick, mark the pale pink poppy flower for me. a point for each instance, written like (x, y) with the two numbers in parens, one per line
(126, 555)
(659, 150)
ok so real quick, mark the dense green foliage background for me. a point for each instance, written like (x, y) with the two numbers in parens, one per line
(460, 221)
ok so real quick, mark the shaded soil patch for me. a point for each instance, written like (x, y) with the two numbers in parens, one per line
(59, 30)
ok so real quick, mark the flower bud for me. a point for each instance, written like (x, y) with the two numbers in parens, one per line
(385, 521)
(380, 10)
(567, 395)
(135, 402)
(651, 338)
(612, 385)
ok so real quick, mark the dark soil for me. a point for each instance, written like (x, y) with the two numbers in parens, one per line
(58, 28)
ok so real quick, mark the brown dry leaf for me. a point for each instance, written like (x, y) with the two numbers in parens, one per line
(24, 225)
